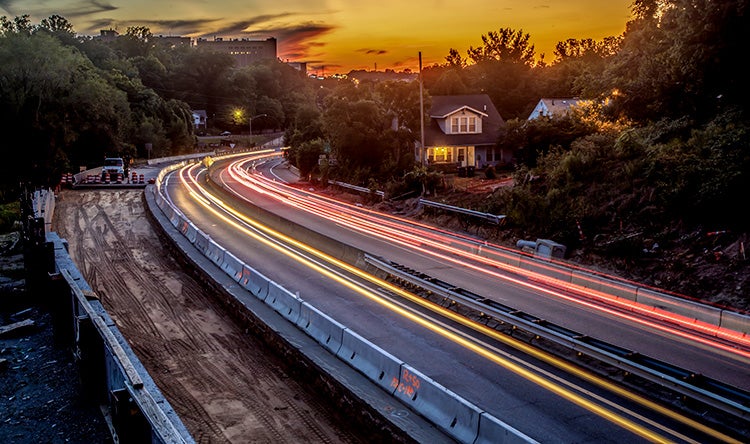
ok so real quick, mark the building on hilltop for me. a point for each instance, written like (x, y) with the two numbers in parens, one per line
(108, 35)
(172, 40)
(244, 51)
(299, 66)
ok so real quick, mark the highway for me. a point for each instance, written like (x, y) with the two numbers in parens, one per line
(540, 395)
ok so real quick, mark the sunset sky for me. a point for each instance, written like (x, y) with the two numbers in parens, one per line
(336, 36)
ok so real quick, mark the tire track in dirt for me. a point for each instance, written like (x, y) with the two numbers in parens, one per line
(221, 381)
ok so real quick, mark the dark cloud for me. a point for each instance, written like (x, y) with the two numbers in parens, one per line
(297, 41)
(41, 9)
(171, 27)
(373, 51)
(234, 29)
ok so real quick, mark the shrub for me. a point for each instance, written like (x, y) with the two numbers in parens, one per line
(9, 214)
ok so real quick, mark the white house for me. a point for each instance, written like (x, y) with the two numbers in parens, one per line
(463, 132)
(551, 107)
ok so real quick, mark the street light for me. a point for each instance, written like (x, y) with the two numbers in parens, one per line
(250, 122)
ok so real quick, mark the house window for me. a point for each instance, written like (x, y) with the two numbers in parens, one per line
(463, 124)
(440, 155)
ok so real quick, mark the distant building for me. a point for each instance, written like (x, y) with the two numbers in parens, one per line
(553, 107)
(108, 35)
(299, 66)
(244, 51)
(200, 119)
(172, 41)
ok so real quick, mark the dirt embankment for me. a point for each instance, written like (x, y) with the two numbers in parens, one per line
(225, 386)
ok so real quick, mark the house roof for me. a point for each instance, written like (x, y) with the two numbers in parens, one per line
(443, 106)
(555, 106)
(200, 112)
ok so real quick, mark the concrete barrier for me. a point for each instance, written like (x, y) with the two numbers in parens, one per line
(175, 218)
(494, 431)
(192, 233)
(215, 253)
(734, 325)
(607, 287)
(377, 364)
(232, 266)
(283, 301)
(449, 412)
(504, 257)
(183, 226)
(201, 242)
(254, 282)
(668, 306)
(327, 331)
(546, 271)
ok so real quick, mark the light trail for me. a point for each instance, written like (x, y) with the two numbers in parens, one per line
(424, 239)
(217, 207)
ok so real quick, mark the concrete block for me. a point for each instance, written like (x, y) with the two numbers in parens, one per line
(449, 412)
(375, 363)
(321, 327)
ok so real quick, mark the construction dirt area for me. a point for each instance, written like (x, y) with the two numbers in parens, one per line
(224, 383)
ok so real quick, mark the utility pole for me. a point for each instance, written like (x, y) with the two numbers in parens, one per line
(421, 113)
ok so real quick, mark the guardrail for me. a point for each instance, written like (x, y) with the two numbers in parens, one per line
(114, 377)
(452, 414)
(494, 218)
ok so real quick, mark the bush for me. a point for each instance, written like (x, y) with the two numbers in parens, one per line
(9, 214)
(489, 173)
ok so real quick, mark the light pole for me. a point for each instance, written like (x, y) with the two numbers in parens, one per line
(250, 122)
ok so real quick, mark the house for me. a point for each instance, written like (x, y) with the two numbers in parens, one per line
(463, 132)
(199, 119)
(550, 107)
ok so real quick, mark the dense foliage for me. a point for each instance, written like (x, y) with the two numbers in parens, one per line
(68, 101)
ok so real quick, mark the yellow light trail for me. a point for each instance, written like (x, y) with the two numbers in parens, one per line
(505, 363)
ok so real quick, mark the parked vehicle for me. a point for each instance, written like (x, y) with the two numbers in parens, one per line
(112, 167)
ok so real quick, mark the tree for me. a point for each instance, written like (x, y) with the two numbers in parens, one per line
(505, 45)
(54, 96)
(679, 57)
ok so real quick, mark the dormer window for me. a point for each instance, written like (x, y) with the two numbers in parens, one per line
(463, 124)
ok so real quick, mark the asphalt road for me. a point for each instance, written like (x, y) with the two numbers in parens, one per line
(527, 406)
